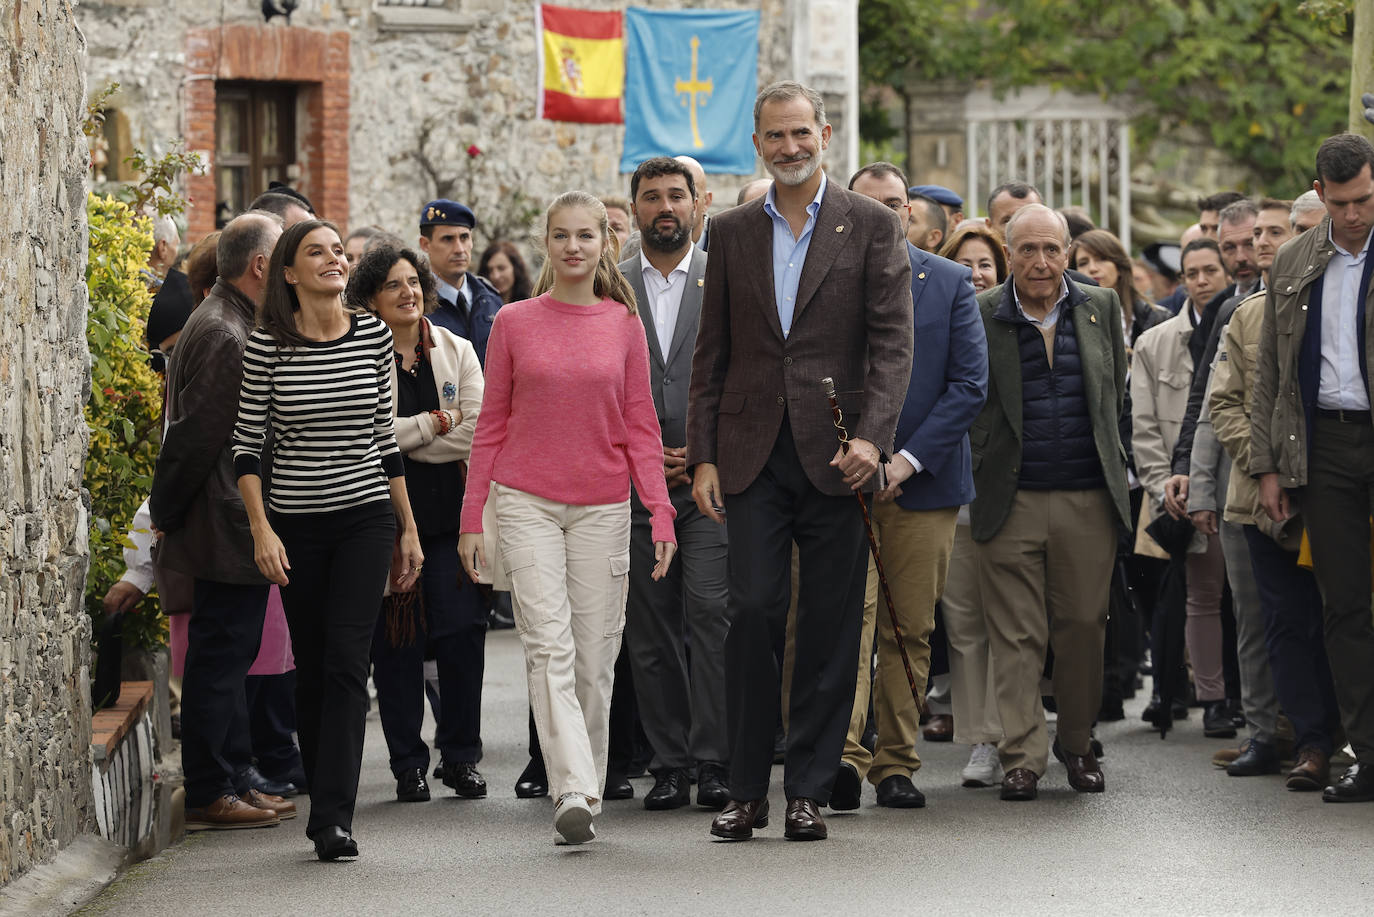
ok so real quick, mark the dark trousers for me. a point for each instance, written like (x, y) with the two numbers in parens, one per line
(455, 631)
(339, 565)
(782, 506)
(266, 731)
(222, 641)
(1336, 505)
(680, 695)
(1292, 607)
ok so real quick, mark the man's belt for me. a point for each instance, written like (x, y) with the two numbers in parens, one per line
(1343, 416)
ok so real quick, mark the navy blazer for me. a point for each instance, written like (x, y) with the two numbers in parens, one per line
(949, 383)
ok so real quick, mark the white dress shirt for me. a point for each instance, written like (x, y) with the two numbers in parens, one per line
(665, 296)
(450, 293)
(1342, 385)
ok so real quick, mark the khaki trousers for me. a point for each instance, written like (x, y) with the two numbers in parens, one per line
(1045, 578)
(972, 693)
(568, 569)
(915, 546)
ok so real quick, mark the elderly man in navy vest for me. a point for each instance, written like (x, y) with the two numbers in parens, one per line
(929, 478)
(467, 303)
(1052, 495)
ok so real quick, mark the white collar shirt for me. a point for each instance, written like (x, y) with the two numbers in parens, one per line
(665, 296)
(1342, 386)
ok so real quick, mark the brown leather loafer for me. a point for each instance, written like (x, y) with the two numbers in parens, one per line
(229, 812)
(739, 819)
(1020, 785)
(939, 728)
(1085, 774)
(283, 807)
(804, 822)
(1313, 771)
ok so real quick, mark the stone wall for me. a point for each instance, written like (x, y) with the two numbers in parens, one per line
(425, 84)
(45, 725)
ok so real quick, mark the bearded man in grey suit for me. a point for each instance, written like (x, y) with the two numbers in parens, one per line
(682, 705)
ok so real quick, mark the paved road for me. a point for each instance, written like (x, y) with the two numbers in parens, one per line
(1172, 835)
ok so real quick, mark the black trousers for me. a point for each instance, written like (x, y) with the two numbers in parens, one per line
(339, 565)
(1292, 607)
(272, 723)
(455, 632)
(222, 641)
(782, 506)
(1336, 505)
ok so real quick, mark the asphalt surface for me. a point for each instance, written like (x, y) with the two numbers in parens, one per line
(1171, 835)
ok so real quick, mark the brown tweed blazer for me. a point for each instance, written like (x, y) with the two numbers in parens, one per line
(853, 322)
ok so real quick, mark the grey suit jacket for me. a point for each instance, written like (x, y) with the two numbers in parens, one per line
(671, 373)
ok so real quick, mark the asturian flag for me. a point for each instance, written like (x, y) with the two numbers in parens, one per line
(690, 81)
(582, 64)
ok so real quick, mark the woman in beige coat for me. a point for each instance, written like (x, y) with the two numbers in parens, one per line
(436, 382)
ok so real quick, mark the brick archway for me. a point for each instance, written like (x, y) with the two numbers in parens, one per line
(317, 62)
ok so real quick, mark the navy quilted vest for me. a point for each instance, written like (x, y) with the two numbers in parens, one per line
(1057, 447)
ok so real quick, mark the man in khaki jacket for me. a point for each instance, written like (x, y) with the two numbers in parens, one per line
(1289, 598)
(1312, 439)
(1160, 378)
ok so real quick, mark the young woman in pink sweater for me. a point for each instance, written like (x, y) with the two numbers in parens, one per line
(567, 422)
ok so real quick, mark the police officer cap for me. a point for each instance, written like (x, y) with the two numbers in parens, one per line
(446, 213)
(939, 194)
(1163, 257)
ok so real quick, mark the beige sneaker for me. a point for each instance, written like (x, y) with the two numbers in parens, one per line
(572, 819)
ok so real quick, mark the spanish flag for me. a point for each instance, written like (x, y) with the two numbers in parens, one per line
(582, 71)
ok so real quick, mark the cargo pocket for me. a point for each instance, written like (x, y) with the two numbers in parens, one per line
(527, 593)
(616, 586)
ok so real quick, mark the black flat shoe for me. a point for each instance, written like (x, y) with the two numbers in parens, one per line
(672, 790)
(618, 786)
(412, 787)
(333, 842)
(532, 782)
(711, 790)
(464, 779)
(846, 793)
(898, 792)
(1357, 785)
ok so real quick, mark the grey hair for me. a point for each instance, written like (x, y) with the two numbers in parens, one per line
(786, 91)
(245, 237)
(1238, 212)
(1306, 202)
(164, 229)
(1029, 209)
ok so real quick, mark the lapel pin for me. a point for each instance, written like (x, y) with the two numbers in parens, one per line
(921, 276)
(1093, 319)
(701, 282)
(449, 391)
(839, 229)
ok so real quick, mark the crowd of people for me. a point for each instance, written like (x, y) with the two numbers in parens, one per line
(1076, 467)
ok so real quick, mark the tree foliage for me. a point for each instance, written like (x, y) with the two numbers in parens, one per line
(1265, 80)
(125, 410)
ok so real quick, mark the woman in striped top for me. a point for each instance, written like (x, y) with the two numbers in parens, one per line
(319, 378)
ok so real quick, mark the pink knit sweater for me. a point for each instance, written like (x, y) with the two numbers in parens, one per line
(568, 414)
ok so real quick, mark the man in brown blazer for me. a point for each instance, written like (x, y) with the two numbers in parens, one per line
(809, 281)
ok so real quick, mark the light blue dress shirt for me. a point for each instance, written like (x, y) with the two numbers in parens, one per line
(789, 254)
(1341, 383)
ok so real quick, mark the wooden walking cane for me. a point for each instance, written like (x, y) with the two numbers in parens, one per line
(829, 385)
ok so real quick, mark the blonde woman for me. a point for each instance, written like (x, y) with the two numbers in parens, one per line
(568, 376)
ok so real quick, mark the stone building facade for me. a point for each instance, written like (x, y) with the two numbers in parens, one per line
(370, 107)
(45, 722)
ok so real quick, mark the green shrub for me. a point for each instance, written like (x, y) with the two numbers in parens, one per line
(125, 409)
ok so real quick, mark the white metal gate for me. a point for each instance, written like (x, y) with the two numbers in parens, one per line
(1076, 150)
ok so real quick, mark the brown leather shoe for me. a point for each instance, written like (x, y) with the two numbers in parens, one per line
(1225, 756)
(1313, 770)
(804, 822)
(1019, 785)
(284, 807)
(939, 728)
(739, 819)
(229, 812)
(1085, 774)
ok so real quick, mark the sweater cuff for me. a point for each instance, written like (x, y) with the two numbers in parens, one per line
(662, 526)
(393, 466)
(246, 463)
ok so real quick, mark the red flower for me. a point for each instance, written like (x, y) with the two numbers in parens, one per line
(474, 151)
(109, 391)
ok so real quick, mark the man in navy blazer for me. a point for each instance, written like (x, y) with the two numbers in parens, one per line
(929, 478)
